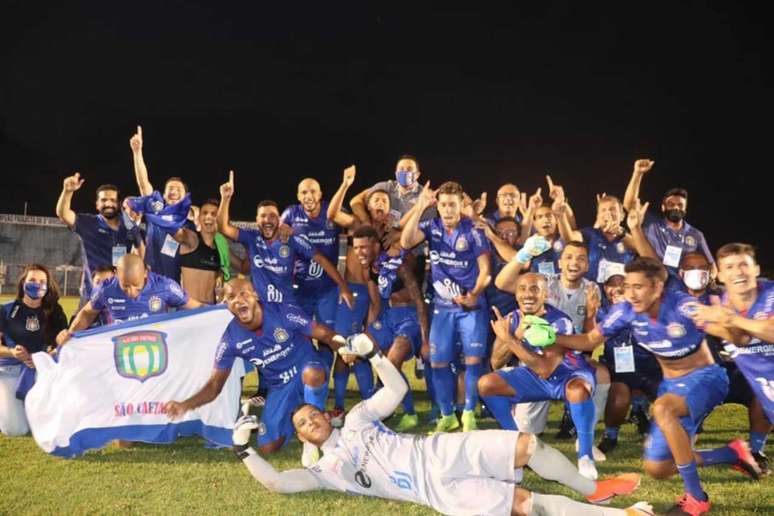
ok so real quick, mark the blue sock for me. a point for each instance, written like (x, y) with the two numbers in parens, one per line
(758, 441)
(500, 407)
(365, 378)
(584, 418)
(724, 455)
(444, 389)
(472, 374)
(340, 386)
(316, 395)
(611, 432)
(408, 399)
(691, 480)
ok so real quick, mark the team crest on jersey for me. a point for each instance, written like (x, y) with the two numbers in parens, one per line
(377, 325)
(157, 206)
(619, 247)
(462, 244)
(154, 304)
(284, 251)
(140, 355)
(690, 241)
(280, 335)
(32, 323)
(558, 246)
(675, 330)
(581, 310)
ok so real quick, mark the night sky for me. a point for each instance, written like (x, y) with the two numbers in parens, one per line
(481, 95)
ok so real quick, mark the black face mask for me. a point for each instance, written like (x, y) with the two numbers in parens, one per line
(674, 215)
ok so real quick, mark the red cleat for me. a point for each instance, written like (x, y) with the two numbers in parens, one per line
(687, 505)
(620, 485)
(747, 465)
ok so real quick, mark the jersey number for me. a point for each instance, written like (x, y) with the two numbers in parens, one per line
(288, 375)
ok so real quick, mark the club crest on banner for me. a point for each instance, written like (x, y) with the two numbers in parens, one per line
(140, 355)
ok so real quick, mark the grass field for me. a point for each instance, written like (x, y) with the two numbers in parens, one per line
(186, 478)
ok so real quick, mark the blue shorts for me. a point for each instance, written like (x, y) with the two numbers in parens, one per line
(452, 326)
(319, 304)
(395, 322)
(530, 387)
(281, 401)
(703, 390)
(352, 321)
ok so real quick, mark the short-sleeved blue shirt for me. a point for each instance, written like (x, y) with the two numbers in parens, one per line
(100, 243)
(159, 294)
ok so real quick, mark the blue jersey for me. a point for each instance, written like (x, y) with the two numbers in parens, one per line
(672, 335)
(547, 262)
(323, 234)
(453, 259)
(559, 320)
(387, 278)
(504, 301)
(687, 239)
(623, 338)
(272, 264)
(25, 326)
(605, 256)
(101, 245)
(157, 296)
(278, 349)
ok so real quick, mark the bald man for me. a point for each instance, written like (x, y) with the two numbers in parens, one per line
(507, 203)
(134, 293)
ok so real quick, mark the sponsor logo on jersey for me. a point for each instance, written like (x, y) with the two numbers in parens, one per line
(241, 343)
(112, 300)
(176, 290)
(140, 355)
(675, 330)
(362, 479)
(298, 319)
(280, 335)
(32, 323)
(154, 303)
(462, 244)
(258, 261)
(284, 251)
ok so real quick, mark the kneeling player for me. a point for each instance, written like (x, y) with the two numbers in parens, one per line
(470, 473)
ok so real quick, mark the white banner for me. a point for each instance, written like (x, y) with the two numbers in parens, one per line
(112, 383)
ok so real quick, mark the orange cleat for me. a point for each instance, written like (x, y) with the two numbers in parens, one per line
(747, 465)
(620, 485)
(687, 505)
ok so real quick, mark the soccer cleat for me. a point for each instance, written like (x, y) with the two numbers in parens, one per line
(746, 463)
(566, 427)
(763, 463)
(407, 422)
(687, 505)
(336, 417)
(446, 424)
(597, 454)
(587, 468)
(309, 455)
(469, 421)
(607, 444)
(621, 485)
(640, 509)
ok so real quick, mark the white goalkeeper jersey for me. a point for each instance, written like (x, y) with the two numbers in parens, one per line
(570, 301)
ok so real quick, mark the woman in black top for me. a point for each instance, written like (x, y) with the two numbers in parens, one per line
(28, 324)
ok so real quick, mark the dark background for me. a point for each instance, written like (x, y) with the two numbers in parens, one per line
(481, 95)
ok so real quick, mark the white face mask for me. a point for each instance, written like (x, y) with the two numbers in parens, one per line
(696, 279)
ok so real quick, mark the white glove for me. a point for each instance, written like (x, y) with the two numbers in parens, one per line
(359, 345)
(533, 246)
(242, 428)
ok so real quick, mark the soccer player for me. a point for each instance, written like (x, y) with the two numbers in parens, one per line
(204, 255)
(28, 324)
(669, 235)
(693, 384)
(610, 248)
(163, 212)
(100, 276)
(134, 293)
(747, 311)
(470, 473)
(401, 329)
(104, 237)
(272, 261)
(459, 265)
(635, 374)
(275, 338)
(548, 373)
(377, 203)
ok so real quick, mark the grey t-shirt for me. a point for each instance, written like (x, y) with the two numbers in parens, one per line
(400, 204)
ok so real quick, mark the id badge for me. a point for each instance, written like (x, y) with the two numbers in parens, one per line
(118, 252)
(170, 247)
(672, 256)
(624, 359)
(546, 268)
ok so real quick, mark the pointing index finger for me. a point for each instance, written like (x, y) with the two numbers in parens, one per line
(139, 131)
(231, 177)
(550, 183)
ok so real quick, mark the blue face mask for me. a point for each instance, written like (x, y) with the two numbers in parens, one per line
(405, 178)
(35, 290)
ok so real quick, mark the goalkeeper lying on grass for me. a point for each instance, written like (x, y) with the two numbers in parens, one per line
(469, 473)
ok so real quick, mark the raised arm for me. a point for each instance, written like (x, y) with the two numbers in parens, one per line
(224, 222)
(335, 213)
(505, 251)
(358, 206)
(187, 239)
(63, 211)
(528, 208)
(411, 235)
(566, 230)
(641, 166)
(140, 170)
(636, 239)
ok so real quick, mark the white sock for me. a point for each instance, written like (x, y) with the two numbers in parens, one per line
(600, 400)
(556, 505)
(549, 463)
